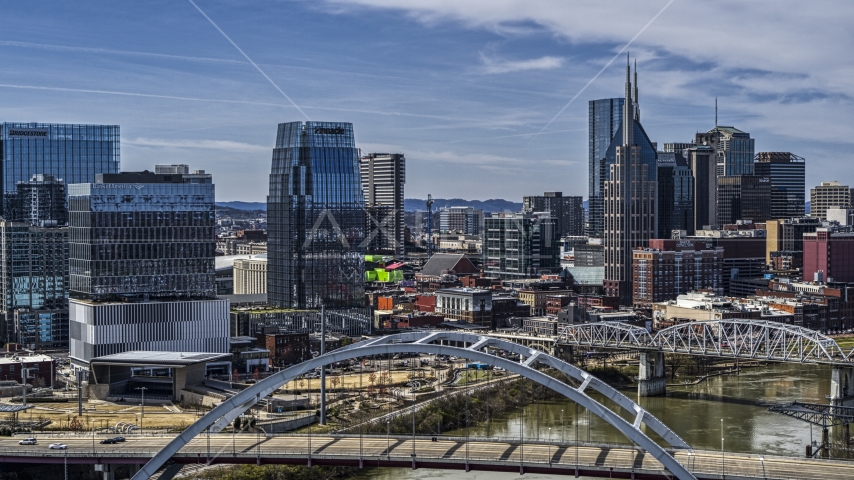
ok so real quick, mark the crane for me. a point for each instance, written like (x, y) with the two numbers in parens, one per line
(429, 223)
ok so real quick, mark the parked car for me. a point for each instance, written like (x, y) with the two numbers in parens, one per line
(58, 446)
(119, 439)
(28, 441)
(109, 441)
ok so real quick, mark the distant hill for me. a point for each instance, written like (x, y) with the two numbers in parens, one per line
(494, 205)
(244, 205)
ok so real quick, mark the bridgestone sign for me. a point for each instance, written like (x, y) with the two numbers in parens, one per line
(28, 133)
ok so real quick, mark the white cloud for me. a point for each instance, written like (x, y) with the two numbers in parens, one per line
(506, 66)
(226, 145)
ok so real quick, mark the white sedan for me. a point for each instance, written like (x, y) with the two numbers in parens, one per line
(28, 441)
(58, 446)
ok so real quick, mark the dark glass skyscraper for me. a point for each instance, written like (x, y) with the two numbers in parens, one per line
(675, 195)
(606, 115)
(315, 218)
(74, 153)
(141, 235)
(786, 172)
(604, 118)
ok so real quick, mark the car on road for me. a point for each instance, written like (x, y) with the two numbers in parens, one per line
(119, 439)
(58, 446)
(28, 441)
(109, 441)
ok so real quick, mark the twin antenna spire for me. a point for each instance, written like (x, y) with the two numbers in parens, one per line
(631, 110)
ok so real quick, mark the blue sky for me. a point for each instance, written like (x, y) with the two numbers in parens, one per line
(462, 87)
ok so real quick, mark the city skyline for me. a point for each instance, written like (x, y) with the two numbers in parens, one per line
(483, 82)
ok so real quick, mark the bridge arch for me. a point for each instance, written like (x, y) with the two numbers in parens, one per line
(423, 342)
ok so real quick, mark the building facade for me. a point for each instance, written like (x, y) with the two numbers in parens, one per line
(568, 212)
(466, 304)
(786, 173)
(34, 281)
(40, 201)
(141, 265)
(829, 195)
(743, 197)
(669, 268)
(383, 177)
(250, 275)
(74, 153)
(520, 245)
(105, 328)
(701, 162)
(828, 257)
(604, 119)
(465, 220)
(142, 234)
(630, 203)
(787, 235)
(675, 194)
(733, 150)
(315, 218)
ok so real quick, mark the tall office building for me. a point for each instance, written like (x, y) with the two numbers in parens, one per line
(465, 220)
(830, 195)
(34, 282)
(675, 194)
(568, 212)
(604, 119)
(630, 201)
(701, 161)
(315, 218)
(520, 245)
(743, 197)
(604, 115)
(383, 177)
(786, 173)
(733, 150)
(74, 153)
(141, 268)
(40, 201)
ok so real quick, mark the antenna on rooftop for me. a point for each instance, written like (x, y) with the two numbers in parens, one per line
(716, 113)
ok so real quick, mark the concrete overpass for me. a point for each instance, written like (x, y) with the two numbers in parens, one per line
(494, 454)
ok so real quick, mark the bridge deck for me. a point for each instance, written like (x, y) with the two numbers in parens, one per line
(480, 454)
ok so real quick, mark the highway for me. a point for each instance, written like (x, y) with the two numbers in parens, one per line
(453, 453)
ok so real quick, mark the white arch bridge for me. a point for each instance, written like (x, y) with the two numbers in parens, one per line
(748, 339)
(467, 346)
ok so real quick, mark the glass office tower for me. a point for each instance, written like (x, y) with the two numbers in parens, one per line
(788, 183)
(142, 235)
(34, 282)
(315, 218)
(604, 118)
(74, 153)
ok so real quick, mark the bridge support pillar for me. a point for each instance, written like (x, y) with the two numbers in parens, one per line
(652, 380)
(841, 385)
(107, 470)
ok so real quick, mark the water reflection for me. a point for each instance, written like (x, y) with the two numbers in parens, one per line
(693, 412)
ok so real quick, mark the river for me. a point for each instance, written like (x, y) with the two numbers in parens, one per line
(694, 412)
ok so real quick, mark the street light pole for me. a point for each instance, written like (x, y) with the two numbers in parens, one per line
(550, 446)
(92, 422)
(723, 469)
(562, 429)
(143, 389)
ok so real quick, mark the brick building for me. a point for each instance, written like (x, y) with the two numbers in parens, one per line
(828, 256)
(40, 369)
(286, 348)
(669, 268)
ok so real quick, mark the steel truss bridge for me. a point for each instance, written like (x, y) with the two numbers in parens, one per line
(471, 347)
(748, 339)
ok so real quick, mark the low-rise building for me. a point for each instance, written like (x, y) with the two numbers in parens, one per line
(466, 304)
(40, 369)
(537, 299)
(250, 275)
(540, 325)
